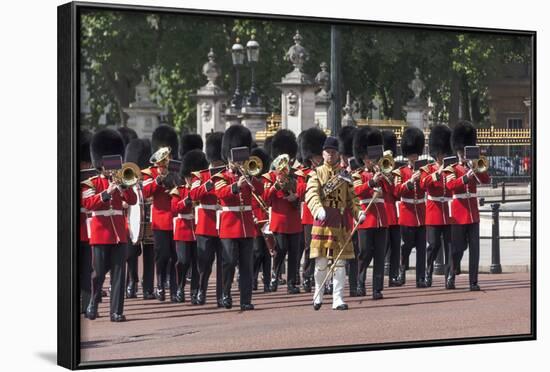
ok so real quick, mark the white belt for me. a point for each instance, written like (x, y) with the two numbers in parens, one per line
(212, 207)
(237, 209)
(413, 201)
(187, 216)
(441, 199)
(109, 212)
(467, 195)
(367, 201)
(83, 210)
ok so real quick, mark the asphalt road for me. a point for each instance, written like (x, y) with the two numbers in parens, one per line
(283, 321)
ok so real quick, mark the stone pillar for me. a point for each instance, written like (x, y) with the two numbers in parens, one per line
(143, 113)
(254, 118)
(210, 100)
(348, 110)
(322, 98)
(297, 91)
(417, 108)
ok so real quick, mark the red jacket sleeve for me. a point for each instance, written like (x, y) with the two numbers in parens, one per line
(91, 200)
(129, 196)
(177, 204)
(150, 187)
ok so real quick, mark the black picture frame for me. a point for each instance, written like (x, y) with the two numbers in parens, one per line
(68, 319)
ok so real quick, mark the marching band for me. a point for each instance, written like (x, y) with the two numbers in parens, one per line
(334, 204)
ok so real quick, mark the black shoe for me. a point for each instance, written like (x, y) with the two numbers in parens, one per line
(91, 311)
(307, 285)
(267, 288)
(273, 285)
(194, 299)
(227, 302)
(255, 286)
(293, 290)
(118, 318)
(377, 295)
(429, 279)
(353, 292)
(421, 284)
(361, 292)
(160, 294)
(402, 277)
(174, 299)
(450, 283)
(201, 297)
(131, 291)
(317, 306)
(394, 282)
(148, 296)
(474, 287)
(342, 307)
(180, 296)
(282, 281)
(220, 302)
(247, 307)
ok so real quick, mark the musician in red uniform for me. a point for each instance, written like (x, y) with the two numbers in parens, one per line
(438, 219)
(370, 185)
(157, 184)
(393, 245)
(237, 227)
(108, 231)
(184, 225)
(262, 253)
(209, 246)
(462, 181)
(280, 193)
(311, 147)
(412, 208)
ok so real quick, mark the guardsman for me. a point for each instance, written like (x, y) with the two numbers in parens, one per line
(209, 246)
(438, 219)
(393, 248)
(157, 184)
(103, 196)
(184, 225)
(329, 197)
(281, 195)
(138, 151)
(412, 207)
(237, 228)
(370, 186)
(462, 180)
(311, 147)
(262, 253)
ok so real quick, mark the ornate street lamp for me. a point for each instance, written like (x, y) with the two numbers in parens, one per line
(237, 54)
(253, 54)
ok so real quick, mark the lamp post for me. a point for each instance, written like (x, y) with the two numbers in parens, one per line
(237, 54)
(253, 54)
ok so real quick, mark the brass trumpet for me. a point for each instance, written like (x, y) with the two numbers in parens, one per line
(253, 166)
(480, 165)
(386, 163)
(128, 175)
(161, 156)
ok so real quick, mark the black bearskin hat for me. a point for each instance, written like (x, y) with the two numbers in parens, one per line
(284, 142)
(138, 151)
(188, 142)
(440, 141)
(127, 134)
(193, 161)
(390, 141)
(267, 145)
(412, 141)
(312, 143)
(363, 138)
(299, 157)
(264, 157)
(105, 142)
(85, 138)
(214, 146)
(464, 134)
(163, 136)
(235, 136)
(345, 140)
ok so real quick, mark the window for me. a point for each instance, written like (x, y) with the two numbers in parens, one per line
(515, 123)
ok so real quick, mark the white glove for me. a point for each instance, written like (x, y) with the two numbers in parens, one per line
(321, 214)
(361, 217)
(470, 173)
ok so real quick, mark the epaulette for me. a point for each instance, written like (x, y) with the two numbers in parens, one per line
(218, 176)
(450, 168)
(300, 173)
(425, 168)
(267, 176)
(175, 191)
(196, 174)
(89, 182)
(397, 172)
(147, 171)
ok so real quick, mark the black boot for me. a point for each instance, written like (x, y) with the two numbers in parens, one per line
(91, 310)
(306, 285)
(147, 295)
(274, 284)
(450, 282)
(131, 291)
(194, 297)
(227, 302)
(361, 292)
(180, 296)
(421, 284)
(377, 295)
(117, 318)
(292, 289)
(429, 275)
(160, 294)
(352, 292)
(474, 287)
(395, 282)
(201, 297)
(255, 286)
(402, 278)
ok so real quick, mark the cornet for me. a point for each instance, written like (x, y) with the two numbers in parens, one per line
(128, 175)
(386, 163)
(161, 157)
(480, 165)
(253, 166)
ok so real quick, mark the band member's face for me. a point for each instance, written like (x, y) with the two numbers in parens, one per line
(317, 160)
(439, 158)
(412, 157)
(460, 155)
(331, 156)
(367, 161)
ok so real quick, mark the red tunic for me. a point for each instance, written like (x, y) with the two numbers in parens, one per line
(412, 207)
(207, 203)
(464, 207)
(83, 225)
(236, 219)
(108, 223)
(184, 220)
(390, 204)
(161, 216)
(303, 175)
(376, 215)
(285, 215)
(437, 203)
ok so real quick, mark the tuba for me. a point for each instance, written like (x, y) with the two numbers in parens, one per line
(128, 175)
(161, 156)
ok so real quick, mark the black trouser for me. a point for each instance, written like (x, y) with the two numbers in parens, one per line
(464, 237)
(435, 236)
(262, 260)
(209, 248)
(85, 275)
(148, 277)
(238, 251)
(187, 259)
(372, 244)
(353, 264)
(112, 256)
(414, 237)
(309, 263)
(393, 250)
(286, 243)
(134, 251)
(301, 250)
(165, 256)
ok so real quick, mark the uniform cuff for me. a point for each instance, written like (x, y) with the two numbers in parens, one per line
(372, 184)
(410, 185)
(209, 185)
(235, 188)
(465, 179)
(105, 196)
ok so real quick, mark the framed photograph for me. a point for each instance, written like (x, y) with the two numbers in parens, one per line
(201, 216)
